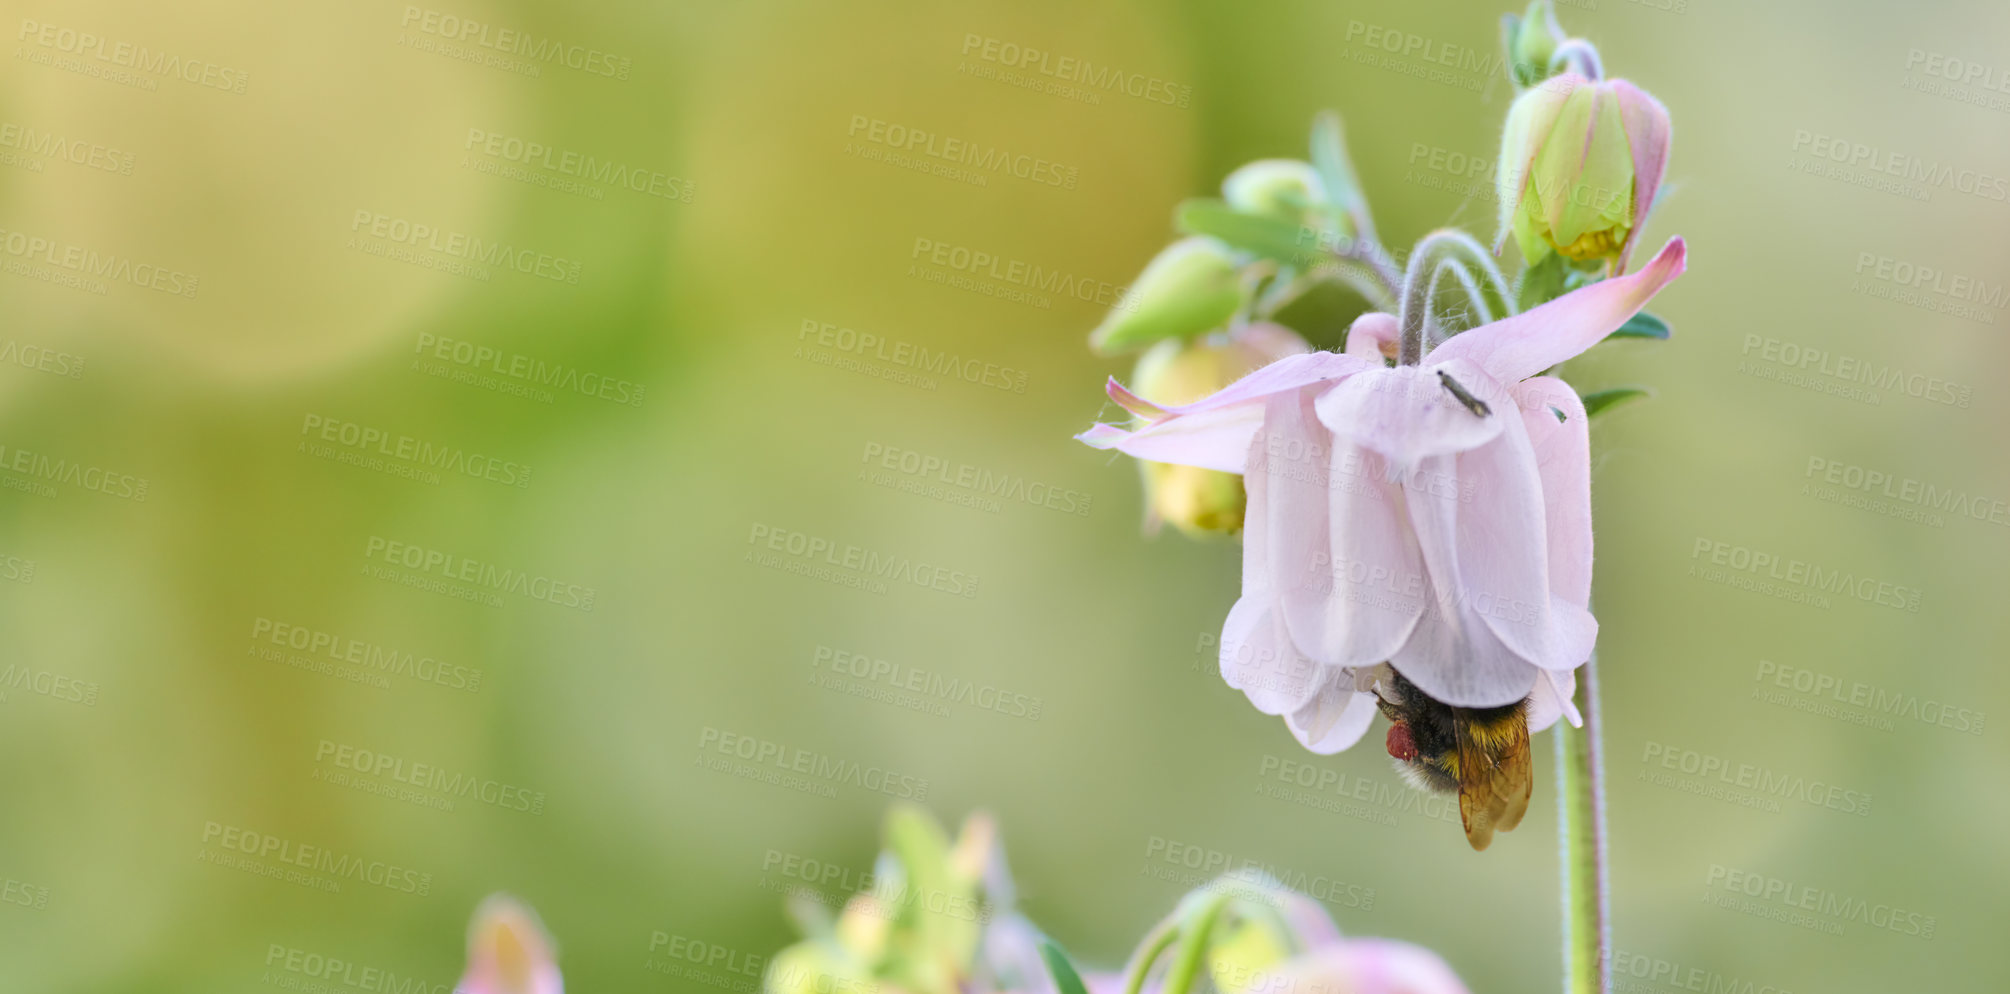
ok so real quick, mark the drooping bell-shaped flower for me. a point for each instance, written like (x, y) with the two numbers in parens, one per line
(1201, 501)
(509, 951)
(1581, 161)
(1436, 517)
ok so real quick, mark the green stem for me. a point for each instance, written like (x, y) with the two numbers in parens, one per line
(1148, 951)
(1445, 246)
(1580, 802)
(1192, 953)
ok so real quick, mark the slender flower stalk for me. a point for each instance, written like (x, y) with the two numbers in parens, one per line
(1578, 56)
(1580, 808)
(1445, 247)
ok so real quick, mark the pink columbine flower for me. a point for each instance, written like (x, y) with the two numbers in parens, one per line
(1436, 517)
(509, 952)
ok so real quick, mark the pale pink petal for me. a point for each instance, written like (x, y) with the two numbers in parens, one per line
(1453, 654)
(1364, 966)
(1290, 472)
(509, 952)
(1647, 132)
(1563, 459)
(1257, 658)
(1518, 347)
(1551, 699)
(1370, 332)
(1334, 719)
(1366, 568)
(1215, 431)
(1408, 414)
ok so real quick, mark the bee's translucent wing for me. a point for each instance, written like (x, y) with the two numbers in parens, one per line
(1496, 775)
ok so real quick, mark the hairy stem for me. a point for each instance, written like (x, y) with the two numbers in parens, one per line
(1578, 54)
(1580, 802)
(1439, 248)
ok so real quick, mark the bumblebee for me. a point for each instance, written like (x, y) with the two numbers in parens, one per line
(1480, 754)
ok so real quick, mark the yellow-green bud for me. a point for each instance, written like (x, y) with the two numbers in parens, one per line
(1192, 287)
(1288, 190)
(1580, 163)
(1200, 501)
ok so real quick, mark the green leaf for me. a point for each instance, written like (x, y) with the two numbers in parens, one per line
(1269, 237)
(1603, 399)
(1329, 157)
(1642, 325)
(1542, 282)
(1066, 979)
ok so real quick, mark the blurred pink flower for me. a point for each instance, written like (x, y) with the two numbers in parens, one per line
(1436, 517)
(509, 952)
(1363, 966)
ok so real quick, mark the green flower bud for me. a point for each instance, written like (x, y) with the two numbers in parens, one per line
(1198, 501)
(1531, 42)
(1192, 287)
(1580, 163)
(1288, 190)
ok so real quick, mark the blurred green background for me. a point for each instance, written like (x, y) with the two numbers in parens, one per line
(150, 722)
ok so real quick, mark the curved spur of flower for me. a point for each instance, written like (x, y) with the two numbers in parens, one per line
(509, 952)
(1436, 517)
